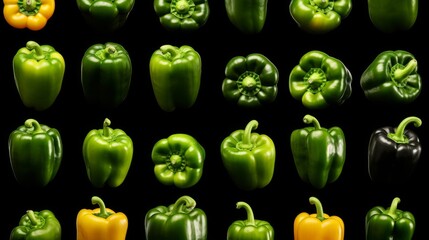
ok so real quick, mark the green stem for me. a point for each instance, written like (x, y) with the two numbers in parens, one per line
(308, 119)
(103, 213)
(106, 130)
(246, 142)
(401, 74)
(184, 203)
(32, 45)
(319, 207)
(321, 3)
(34, 220)
(393, 207)
(250, 216)
(32, 123)
(30, 5)
(399, 136)
(170, 51)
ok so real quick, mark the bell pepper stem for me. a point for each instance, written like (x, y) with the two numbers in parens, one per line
(33, 218)
(319, 208)
(106, 124)
(246, 142)
(103, 212)
(401, 74)
(32, 123)
(308, 119)
(170, 52)
(393, 207)
(32, 45)
(398, 136)
(183, 204)
(250, 217)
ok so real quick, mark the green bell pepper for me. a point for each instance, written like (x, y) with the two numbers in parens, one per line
(247, 15)
(182, 15)
(320, 80)
(35, 225)
(35, 152)
(319, 153)
(393, 16)
(107, 154)
(249, 157)
(319, 16)
(250, 81)
(175, 74)
(392, 78)
(105, 15)
(38, 71)
(178, 221)
(179, 160)
(389, 223)
(250, 228)
(106, 71)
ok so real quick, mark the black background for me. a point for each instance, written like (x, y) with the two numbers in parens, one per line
(356, 43)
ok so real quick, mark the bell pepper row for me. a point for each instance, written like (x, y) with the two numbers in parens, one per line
(183, 220)
(315, 17)
(317, 81)
(319, 154)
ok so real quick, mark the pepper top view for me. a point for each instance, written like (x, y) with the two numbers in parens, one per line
(214, 119)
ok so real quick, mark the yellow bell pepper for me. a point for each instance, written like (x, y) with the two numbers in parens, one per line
(101, 223)
(31, 14)
(318, 226)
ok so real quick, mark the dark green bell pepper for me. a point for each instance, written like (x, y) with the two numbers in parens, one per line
(393, 153)
(250, 228)
(182, 15)
(392, 78)
(249, 157)
(319, 16)
(393, 16)
(38, 71)
(107, 154)
(248, 16)
(105, 15)
(319, 153)
(389, 223)
(179, 160)
(250, 81)
(36, 225)
(179, 221)
(35, 152)
(175, 74)
(106, 71)
(320, 80)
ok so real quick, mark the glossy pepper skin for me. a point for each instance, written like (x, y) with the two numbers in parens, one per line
(249, 157)
(179, 221)
(393, 153)
(107, 154)
(106, 72)
(105, 15)
(389, 223)
(250, 81)
(37, 225)
(319, 225)
(319, 153)
(101, 223)
(319, 81)
(392, 78)
(175, 74)
(248, 16)
(182, 15)
(391, 16)
(35, 153)
(31, 14)
(319, 16)
(250, 228)
(179, 160)
(38, 72)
